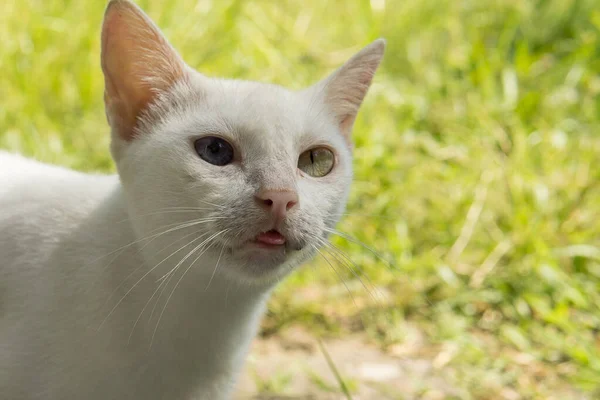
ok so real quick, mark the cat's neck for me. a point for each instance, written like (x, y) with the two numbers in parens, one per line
(190, 318)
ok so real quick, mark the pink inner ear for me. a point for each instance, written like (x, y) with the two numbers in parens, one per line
(348, 86)
(366, 77)
(138, 63)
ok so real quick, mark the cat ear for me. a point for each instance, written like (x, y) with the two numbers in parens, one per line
(345, 89)
(138, 64)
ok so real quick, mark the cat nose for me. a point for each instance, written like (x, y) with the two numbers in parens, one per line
(277, 202)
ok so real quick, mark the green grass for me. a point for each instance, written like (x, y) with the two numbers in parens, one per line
(477, 161)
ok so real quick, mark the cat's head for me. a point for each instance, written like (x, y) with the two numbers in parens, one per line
(258, 173)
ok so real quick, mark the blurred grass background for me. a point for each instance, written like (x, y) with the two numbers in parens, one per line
(477, 163)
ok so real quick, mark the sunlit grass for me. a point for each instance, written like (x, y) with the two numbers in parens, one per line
(477, 161)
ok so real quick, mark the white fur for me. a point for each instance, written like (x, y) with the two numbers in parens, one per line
(80, 258)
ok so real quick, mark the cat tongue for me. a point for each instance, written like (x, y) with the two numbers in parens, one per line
(271, 237)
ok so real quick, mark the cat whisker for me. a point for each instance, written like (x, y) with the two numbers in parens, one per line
(121, 249)
(142, 278)
(363, 215)
(200, 221)
(152, 236)
(212, 208)
(142, 265)
(337, 254)
(182, 276)
(168, 212)
(211, 204)
(354, 240)
(341, 279)
(227, 294)
(200, 200)
(164, 283)
(167, 277)
(349, 263)
(216, 266)
(185, 258)
(144, 309)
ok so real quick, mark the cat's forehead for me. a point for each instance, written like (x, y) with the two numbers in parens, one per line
(254, 104)
(263, 121)
(258, 114)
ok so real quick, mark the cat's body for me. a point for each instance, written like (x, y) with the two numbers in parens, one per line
(150, 284)
(49, 332)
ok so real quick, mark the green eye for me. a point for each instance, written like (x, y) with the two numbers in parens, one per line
(316, 162)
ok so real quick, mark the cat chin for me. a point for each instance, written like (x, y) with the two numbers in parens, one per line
(264, 266)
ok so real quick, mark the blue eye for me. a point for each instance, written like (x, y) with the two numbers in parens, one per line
(214, 150)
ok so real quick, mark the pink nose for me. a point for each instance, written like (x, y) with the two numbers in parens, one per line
(277, 202)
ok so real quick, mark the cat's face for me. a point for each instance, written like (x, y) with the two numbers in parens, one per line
(258, 172)
(259, 133)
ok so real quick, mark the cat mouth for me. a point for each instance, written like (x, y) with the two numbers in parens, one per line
(265, 253)
(271, 239)
(269, 242)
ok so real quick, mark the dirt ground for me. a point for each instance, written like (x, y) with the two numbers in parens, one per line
(293, 366)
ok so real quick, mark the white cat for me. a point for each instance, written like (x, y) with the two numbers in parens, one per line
(150, 284)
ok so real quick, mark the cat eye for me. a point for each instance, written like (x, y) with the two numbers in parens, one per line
(214, 150)
(316, 162)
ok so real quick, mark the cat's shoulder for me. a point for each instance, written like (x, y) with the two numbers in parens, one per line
(13, 165)
(24, 177)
